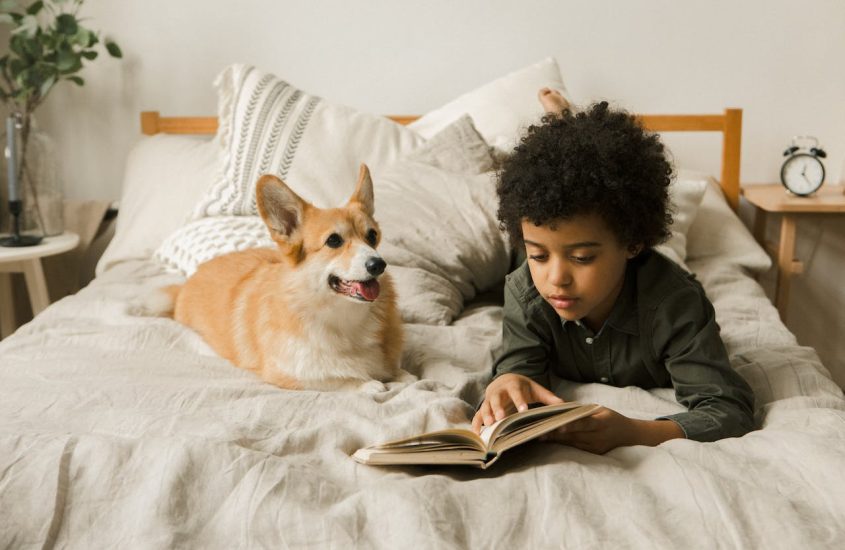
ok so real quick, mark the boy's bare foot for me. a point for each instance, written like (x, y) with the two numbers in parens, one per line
(553, 102)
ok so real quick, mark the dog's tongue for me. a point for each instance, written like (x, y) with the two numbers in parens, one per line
(368, 289)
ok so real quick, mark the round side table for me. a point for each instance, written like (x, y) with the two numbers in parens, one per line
(27, 260)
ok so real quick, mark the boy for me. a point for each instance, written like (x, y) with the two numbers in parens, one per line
(586, 194)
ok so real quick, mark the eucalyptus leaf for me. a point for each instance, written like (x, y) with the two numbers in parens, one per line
(35, 7)
(89, 54)
(82, 37)
(66, 24)
(113, 49)
(16, 44)
(75, 79)
(69, 65)
(6, 18)
(33, 47)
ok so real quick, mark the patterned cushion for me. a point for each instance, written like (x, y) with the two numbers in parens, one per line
(270, 126)
(205, 239)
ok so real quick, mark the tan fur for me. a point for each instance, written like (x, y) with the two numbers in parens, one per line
(272, 311)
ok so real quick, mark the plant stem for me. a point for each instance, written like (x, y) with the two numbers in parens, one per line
(24, 174)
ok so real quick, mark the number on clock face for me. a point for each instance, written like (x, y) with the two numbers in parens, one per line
(803, 174)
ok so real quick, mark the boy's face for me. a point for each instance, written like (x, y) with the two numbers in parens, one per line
(578, 266)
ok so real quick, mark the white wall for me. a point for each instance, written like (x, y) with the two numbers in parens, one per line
(781, 61)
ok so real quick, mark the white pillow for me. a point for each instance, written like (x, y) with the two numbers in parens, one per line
(268, 126)
(441, 238)
(165, 177)
(685, 194)
(718, 232)
(501, 109)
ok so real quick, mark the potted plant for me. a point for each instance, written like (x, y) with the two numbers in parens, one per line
(47, 44)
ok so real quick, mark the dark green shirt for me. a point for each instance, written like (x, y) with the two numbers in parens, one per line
(662, 332)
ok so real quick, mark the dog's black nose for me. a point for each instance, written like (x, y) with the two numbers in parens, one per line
(375, 266)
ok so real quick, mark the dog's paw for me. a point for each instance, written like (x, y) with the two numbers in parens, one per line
(372, 386)
(405, 377)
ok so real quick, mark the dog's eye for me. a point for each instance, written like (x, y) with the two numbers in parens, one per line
(372, 237)
(334, 241)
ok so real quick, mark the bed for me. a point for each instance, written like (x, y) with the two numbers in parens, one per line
(118, 430)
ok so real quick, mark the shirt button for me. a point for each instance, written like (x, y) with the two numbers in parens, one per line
(589, 340)
(603, 379)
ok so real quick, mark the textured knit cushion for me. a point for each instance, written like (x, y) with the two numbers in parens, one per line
(268, 126)
(205, 239)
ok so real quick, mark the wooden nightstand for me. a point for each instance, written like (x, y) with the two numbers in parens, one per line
(27, 260)
(774, 198)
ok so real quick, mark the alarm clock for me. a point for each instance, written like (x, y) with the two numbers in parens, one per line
(802, 172)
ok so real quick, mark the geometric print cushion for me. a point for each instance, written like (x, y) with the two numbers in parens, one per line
(267, 126)
(202, 240)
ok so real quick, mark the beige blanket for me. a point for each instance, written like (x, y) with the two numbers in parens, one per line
(126, 432)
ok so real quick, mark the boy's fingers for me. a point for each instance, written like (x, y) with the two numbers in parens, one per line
(587, 424)
(558, 436)
(518, 398)
(592, 423)
(484, 412)
(496, 407)
(543, 395)
(476, 421)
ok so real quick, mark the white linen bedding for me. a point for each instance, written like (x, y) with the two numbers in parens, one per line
(125, 431)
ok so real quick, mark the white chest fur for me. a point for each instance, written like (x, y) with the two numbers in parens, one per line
(337, 346)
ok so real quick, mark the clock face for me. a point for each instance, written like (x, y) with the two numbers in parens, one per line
(802, 174)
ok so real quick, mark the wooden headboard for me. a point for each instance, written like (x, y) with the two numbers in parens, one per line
(729, 124)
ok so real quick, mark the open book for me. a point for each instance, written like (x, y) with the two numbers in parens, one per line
(465, 447)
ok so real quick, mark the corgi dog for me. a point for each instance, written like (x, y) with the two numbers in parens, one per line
(318, 313)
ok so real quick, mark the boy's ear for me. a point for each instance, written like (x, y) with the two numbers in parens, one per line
(634, 250)
(280, 208)
(363, 195)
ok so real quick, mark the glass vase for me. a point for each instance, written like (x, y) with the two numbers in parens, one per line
(38, 186)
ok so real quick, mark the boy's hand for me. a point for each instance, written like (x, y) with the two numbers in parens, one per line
(507, 394)
(606, 429)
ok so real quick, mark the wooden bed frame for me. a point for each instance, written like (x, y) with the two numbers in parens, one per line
(729, 124)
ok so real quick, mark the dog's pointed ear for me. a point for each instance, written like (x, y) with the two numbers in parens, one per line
(363, 195)
(280, 208)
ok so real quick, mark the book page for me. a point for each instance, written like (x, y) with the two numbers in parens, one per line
(518, 433)
(515, 420)
(452, 437)
(448, 456)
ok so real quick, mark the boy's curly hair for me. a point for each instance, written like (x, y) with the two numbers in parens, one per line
(597, 161)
